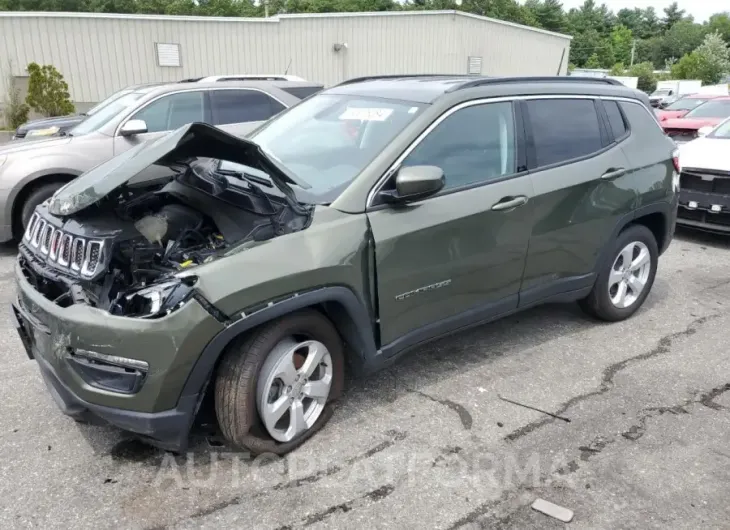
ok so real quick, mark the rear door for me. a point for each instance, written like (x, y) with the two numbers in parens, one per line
(582, 187)
(457, 257)
(239, 111)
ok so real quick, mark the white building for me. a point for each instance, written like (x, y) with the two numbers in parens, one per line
(101, 53)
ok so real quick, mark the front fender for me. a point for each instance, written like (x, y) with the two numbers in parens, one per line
(349, 314)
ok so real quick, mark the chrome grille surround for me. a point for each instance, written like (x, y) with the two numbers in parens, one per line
(77, 256)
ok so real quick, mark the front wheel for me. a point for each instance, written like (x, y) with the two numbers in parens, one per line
(275, 388)
(626, 280)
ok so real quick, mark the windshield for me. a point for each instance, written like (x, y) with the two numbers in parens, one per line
(116, 95)
(722, 131)
(328, 139)
(711, 109)
(662, 92)
(106, 114)
(686, 104)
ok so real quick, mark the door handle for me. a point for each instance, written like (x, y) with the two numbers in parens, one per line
(613, 173)
(507, 203)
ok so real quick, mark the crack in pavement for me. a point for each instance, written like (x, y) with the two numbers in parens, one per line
(707, 399)
(464, 415)
(662, 347)
(395, 436)
(369, 498)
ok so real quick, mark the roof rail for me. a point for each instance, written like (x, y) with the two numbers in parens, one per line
(398, 76)
(534, 79)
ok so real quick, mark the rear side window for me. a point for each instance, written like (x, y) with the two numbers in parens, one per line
(302, 92)
(563, 129)
(241, 106)
(615, 118)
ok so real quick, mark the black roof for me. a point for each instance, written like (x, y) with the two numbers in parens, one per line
(425, 88)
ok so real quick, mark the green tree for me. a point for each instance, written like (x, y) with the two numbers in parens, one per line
(650, 25)
(549, 14)
(709, 62)
(47, 91)
(593, 61)
(622, 40)
(683, 37)
(672, 15)
(720, 23)
(618, 69)
(645, 72)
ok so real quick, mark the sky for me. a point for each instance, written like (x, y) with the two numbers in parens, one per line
(700, 9)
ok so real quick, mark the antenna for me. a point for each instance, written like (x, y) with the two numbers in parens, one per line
(287, 66)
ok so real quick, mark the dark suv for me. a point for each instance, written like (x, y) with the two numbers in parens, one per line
(372, 217)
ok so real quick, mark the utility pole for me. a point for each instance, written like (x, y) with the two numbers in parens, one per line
(266, 8)
(633, 51)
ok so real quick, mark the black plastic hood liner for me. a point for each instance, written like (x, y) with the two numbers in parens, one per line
(196, 140)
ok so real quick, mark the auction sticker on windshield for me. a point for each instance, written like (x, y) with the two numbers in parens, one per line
(366, 114)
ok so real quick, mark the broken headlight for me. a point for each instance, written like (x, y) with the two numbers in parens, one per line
(154, 301)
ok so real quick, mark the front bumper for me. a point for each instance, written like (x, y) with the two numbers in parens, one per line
(705, 211)
(162, 409)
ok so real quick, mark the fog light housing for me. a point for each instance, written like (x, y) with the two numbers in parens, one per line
(108, 372)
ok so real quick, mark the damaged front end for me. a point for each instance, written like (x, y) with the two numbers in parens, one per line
(125, 236)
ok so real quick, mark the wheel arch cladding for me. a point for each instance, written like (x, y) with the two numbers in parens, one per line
(345, 310)
(656, 217)
(657, 223)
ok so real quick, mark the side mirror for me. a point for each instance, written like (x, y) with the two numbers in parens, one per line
(133, 127)
(414, 183)
(704, 131)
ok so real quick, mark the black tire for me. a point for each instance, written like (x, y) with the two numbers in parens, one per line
(237, 377)
(36, 197)
(598, 302)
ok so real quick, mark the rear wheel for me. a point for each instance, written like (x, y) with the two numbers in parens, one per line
(275, 388)
(626, 280)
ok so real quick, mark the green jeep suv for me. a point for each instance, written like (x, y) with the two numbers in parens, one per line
(371, 217)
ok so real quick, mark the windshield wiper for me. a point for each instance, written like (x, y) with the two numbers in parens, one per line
(245, 176)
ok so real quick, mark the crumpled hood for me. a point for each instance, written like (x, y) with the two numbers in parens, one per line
(196, 140)
(706, 153)
(691, 124)
(19, 146)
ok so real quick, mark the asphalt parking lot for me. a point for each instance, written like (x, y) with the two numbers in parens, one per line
(644, 439)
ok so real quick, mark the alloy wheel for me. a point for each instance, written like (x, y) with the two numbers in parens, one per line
(629, 274)
(293, 387)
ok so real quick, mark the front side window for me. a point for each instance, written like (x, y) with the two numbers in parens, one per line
(474, 144)
(563, 129)
(173, 111)
(719, 108)
(107, 113)
(242, 106)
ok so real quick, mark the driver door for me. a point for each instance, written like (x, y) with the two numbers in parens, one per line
(455, 258)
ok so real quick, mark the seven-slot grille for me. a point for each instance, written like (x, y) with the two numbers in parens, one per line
(80, 255)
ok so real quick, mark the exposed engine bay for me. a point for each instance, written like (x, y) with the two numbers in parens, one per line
(121, 253)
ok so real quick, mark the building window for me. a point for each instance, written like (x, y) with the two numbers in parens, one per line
(168, 54)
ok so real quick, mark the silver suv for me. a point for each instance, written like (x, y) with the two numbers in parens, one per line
(31, 171)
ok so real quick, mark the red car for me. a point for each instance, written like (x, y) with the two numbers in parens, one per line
(682, 106)
(710, 113)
